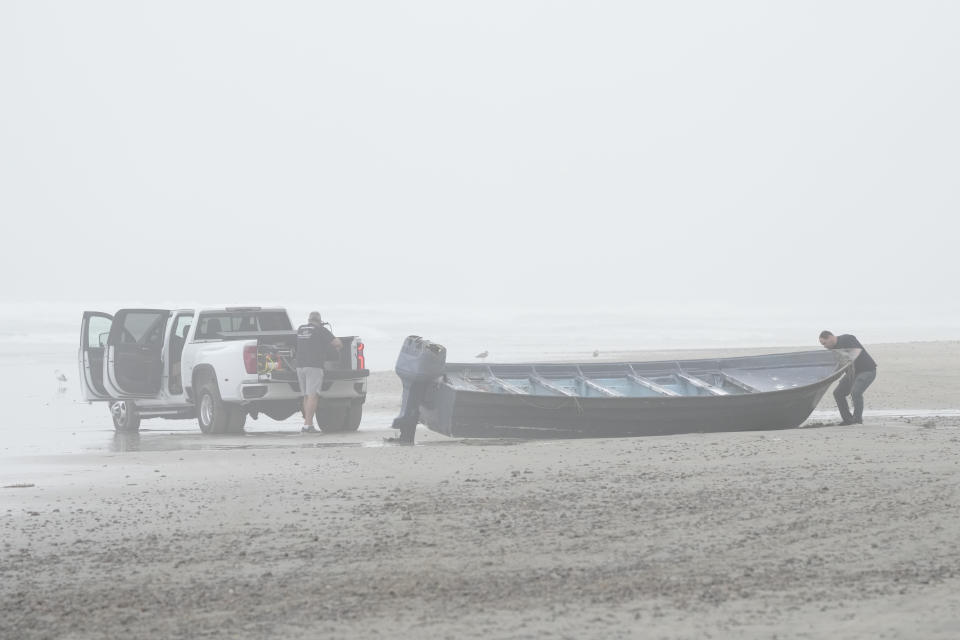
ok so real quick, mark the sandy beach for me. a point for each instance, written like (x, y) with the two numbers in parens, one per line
(822, 531)
(201, 197)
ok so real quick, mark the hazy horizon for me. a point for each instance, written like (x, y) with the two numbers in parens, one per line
(514, 334)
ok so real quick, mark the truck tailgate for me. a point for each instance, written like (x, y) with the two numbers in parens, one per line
(276, 358)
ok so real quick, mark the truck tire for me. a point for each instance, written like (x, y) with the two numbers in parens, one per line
(126, 417)
(213, 414)
(354, 416)
(340, 417)
(236, 419)
(332, 417)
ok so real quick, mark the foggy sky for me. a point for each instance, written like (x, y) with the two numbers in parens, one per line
(780, 155)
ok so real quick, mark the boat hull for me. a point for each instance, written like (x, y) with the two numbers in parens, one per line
(475, 414)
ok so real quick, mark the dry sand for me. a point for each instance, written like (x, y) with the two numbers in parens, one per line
(840, 532)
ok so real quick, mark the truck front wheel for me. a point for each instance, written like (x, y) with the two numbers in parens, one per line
(125, 416)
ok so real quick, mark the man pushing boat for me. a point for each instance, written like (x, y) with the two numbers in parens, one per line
(856, 381)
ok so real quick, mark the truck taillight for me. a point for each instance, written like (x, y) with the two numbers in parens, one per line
(361, 359)
(250, 358)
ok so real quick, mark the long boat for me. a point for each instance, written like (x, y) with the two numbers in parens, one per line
(570, 400)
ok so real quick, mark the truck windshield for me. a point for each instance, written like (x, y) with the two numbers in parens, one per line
(220, 323)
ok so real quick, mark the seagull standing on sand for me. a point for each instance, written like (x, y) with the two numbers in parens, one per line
(61, 380)
(482, 355)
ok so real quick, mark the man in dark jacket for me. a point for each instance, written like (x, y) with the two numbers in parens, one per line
(855, 382)
(314, 342)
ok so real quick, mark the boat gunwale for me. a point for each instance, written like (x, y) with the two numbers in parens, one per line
(841, 369)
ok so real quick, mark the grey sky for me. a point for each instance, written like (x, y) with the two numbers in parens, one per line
(538, 152)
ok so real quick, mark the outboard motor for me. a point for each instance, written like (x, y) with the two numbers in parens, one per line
(419, 365)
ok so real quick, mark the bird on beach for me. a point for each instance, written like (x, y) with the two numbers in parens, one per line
(61, 380)
(596, 353)
(482, 355)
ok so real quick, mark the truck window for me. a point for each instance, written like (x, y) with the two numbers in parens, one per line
(143, 328)
(98, 331)
(182, 325)
(219, 324)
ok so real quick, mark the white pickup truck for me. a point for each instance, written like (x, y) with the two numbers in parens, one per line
(215, 365)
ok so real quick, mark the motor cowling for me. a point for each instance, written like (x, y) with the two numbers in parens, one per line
(419, 366)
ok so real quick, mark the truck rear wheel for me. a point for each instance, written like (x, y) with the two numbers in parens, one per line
(125, 416)
(340, 417)
(213, 414)
(354, 416)
(236, 419)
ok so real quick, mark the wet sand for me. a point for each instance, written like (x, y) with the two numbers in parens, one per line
(841, 532)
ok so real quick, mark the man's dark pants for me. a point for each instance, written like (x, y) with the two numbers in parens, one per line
(853, 386)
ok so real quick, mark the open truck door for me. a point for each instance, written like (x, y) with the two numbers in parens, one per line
(94, 331)
(135, 353)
